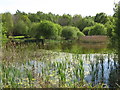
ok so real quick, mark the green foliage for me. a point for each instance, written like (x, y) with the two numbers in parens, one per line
(86, 30)
(65, 20)
(7, 20)
(98, 29)
(76, 20)
(20, 28)
(17, 24)
(33, 30)
(110, 28)
(70, 32)
(3, 28)
(116, 36)
(79, 34)
(115, 10)
(47, 29)
(59, 29)
(113, 29)
(81, 23)
(26, 20)
(48, 25)
(117, 30)
(22, 24)
(101, 18)
(86, 23)
(33, 17)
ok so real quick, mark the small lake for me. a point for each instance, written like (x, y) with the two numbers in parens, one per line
(70, 63)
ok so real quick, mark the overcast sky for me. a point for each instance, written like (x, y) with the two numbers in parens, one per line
(83, 7)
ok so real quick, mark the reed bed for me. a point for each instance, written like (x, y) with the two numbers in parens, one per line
(94, 39)
(42, 75)
(30, 67)
(39, 75)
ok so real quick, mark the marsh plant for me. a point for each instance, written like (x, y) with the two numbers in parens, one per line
(27, 66)
(39, 74)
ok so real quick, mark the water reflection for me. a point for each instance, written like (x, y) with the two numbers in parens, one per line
(98, 68)
(114, 77)
(104, 69)
(75, 47)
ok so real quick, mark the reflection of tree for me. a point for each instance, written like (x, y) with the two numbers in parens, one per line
(93, 74)
(114, 78)
(118, 69)
(102, 69)
(97, 70)
(72, 47)
(108, 60)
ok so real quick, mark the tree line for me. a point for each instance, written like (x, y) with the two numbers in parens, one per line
(51, 26)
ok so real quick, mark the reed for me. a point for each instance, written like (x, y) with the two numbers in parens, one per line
(25, 67)
(94, 39)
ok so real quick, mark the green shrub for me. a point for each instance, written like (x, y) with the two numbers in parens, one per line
(79, 34)
(70, 32)
(59, 31)
(46, 29)
(86, 30)
(98, 29)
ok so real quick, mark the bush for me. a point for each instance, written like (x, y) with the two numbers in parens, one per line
(59, 30)
(86, 30)
(79, 34)
(98, 29)
(46, 29)
(70, 32)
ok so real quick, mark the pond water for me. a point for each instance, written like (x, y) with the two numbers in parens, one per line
(70, 63)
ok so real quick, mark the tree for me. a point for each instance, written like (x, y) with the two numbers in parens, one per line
(65, 20)
(81, 23)
(110, 26)
(33, 17)
(20, 28)
(22, 24)
(101, 18)
(33, 30)
(98, 29)
(76, 20)
(7, 20)
(117, 29)
(86, 23)
(113, 28)
(48, 30)
(115, 10)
